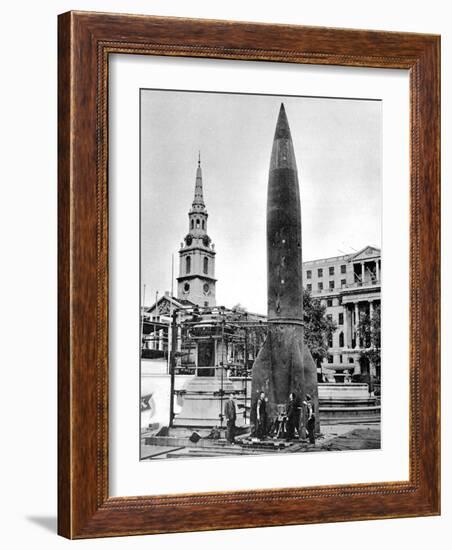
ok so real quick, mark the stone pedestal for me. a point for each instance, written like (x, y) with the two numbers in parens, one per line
(347, 404)
(202, 403)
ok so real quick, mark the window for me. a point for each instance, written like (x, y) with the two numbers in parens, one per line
(343, 269)
(331, 284)
(330, 358)
(329, 303)
(320, 286)
(187, 264)
(206, 265)
(340, 358)
(341, 319)
(308, 274)
(341, 340)
(309, 287)
(197, 222)
(329, 317)
(206, 304)
(192, 225)
(332, 270)
(330, 341)
(350, 360)
(203, 224)
(343, 283)
(320, 272)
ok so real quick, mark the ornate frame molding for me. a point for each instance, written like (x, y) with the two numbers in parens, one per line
(85, 42)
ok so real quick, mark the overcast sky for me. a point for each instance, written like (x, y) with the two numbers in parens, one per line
(338, 150)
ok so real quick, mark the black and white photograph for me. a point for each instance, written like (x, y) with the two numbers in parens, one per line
(260, 267)
(230, 229)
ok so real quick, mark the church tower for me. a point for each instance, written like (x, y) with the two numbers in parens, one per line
(196, 281)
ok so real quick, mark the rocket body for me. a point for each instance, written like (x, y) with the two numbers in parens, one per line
(284, 364)
(284, 269)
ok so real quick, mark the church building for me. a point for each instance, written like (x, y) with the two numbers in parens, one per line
(196, 281)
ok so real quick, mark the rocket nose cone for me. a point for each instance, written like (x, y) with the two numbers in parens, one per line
(282, 126)
(283, 155)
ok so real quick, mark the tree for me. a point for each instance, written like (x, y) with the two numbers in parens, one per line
(318, 328)
(369, 332)
(253, 336)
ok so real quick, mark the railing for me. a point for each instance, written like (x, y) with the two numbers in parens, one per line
(356, 284)
(361, 284)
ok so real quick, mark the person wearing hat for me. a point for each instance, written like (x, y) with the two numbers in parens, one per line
(310, 418)
(231, 416)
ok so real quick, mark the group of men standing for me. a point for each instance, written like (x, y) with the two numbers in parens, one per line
(296, 420)
(291, 420)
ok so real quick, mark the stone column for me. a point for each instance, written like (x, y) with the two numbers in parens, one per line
(346, 331)
(179, 345)
(355, 325)
(161, 339)
(153, 336)
(371, 311)
(377, 270)
(179, 338)
(362, 272)
(350, 326)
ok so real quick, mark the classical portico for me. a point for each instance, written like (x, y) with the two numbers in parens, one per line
(355, 307)
(350, 287)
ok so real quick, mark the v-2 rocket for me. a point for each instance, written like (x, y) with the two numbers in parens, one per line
(284, 363)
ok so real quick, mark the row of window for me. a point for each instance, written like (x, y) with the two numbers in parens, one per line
(331, 359)
(341, 340)
(188, 265)
(340, 319)
(331, 285)
(199, 223)
(320, 271)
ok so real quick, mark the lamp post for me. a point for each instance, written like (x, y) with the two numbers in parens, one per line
(222, 365)
(246, 370)
(173, 365)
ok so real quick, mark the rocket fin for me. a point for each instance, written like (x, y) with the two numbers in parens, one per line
(283, 365)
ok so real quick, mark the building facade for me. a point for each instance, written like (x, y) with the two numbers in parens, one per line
(196, 281)
(349, 286)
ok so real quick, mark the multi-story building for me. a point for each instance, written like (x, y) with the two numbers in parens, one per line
(349, 286)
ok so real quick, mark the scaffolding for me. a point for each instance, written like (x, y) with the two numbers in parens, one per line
(223, 346)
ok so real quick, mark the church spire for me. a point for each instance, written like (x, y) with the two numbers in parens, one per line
(198, 201)
(196, 281)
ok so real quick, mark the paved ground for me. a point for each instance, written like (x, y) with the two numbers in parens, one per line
(344, 438)
(340, 437)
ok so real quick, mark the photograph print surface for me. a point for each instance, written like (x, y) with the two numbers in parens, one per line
(260, 274)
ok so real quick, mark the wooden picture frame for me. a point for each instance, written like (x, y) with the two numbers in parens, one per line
(85, 42)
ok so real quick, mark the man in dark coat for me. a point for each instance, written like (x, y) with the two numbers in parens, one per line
(231, 416)
(253, 413)
(310, 419)
(293, 416)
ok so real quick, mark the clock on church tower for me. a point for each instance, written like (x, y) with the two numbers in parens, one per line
(196, 281)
